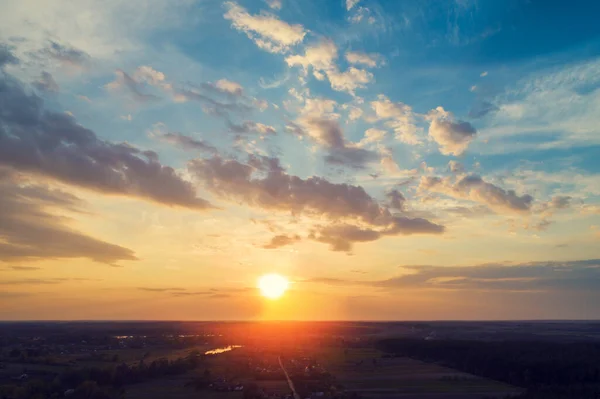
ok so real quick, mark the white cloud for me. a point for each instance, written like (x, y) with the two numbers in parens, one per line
(559, 106)
(399, 117)
(484, 74)
(266, 30)
(100, 29)
(453, 136)
(358, 58)
(321, 58)
(372, 136)
(351, 3)
(274, 4)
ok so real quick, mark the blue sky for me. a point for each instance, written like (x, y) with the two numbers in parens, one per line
(358, 135)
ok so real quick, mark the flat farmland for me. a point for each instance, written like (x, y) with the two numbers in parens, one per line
(364, 371)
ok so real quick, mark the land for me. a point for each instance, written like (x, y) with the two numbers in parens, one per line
(321, 360)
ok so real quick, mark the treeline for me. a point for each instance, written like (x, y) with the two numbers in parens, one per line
(98, 382)
(547, 369)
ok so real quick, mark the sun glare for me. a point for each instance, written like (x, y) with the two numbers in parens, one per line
(273, 286)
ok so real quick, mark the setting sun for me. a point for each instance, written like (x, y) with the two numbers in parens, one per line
(273, 286)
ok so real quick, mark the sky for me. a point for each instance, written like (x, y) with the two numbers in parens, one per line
(394, 159)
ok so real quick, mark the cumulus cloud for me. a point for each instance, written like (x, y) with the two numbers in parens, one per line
(474, 188)
(453, 136)
(262, 182)
(399, 117)
(321, 57)
(281, 241)
(319, 122)
(396, 199)
(266, 30)
(33, 225)
(359, 58)
(54, 145)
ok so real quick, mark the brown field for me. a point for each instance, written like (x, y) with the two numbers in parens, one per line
(362, 370)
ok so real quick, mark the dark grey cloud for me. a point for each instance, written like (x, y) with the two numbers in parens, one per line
(262, 182)
(46, 83)
(580, 275)
(395, 199)
(54, 145)
(281, 241)
(30, 230)
(187, 142)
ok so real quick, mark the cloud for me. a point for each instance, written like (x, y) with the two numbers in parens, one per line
(399, 117)
(251, 127)
(262, 182)
(187, 142)
(24, 268)
(321, 58)
(342, 237)
(274, 4)
(46, 83)
(160, 289)
(350, 4)
(474, 188)
(266, 30)
(482, 108)
(396, 199)
(31, 230)
(579, 275)
(125, 82)
(359, 58)
(318, 121)
(6, 56)
(66, 55)
(281, 240)
(452, 136)
(54, 145)
(225, 86)
(456, 167)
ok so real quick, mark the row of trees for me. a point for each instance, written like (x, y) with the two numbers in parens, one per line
(546, 369)
(100, 382)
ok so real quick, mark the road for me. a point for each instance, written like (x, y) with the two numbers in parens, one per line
(289, 380)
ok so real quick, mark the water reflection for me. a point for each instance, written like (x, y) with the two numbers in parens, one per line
(222, 350)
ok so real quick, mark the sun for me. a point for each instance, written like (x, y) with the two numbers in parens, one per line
(273, 286)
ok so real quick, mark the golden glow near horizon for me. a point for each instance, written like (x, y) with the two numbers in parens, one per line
(273, 286)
